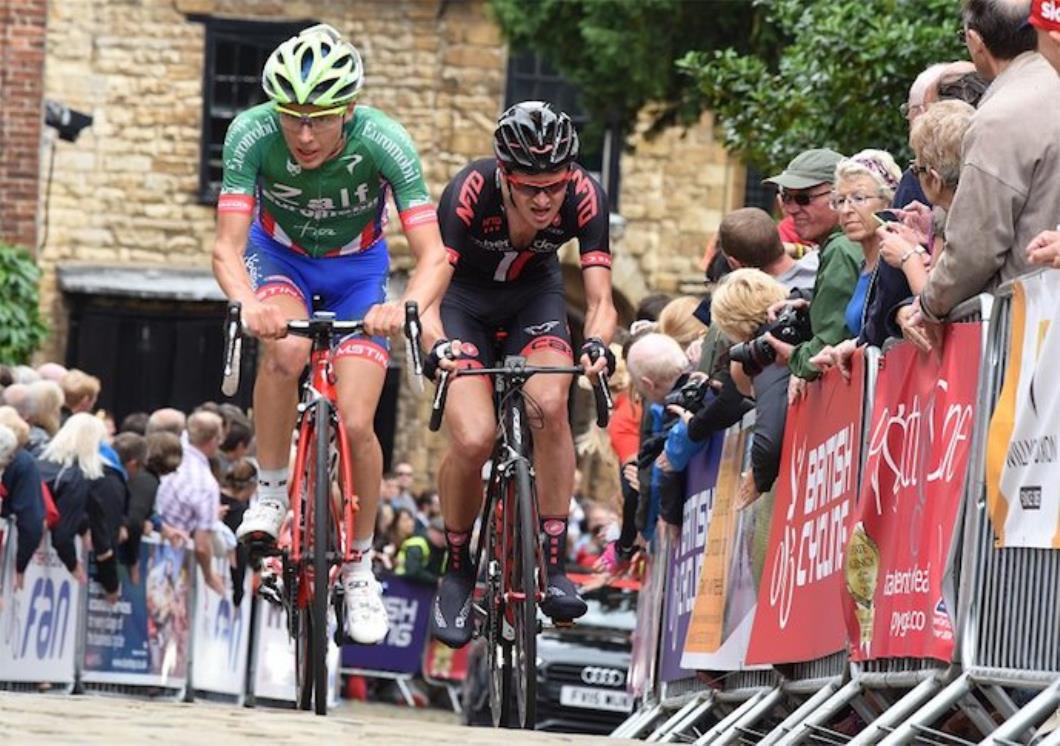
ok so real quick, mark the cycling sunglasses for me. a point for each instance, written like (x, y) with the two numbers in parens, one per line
(297, 119)
(551, 189)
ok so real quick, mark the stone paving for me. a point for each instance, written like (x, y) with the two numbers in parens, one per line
(95, 719)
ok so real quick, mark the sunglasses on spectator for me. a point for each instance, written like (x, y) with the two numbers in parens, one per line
(551, 189)
(857, 201)
(314, 120)
(802, 199)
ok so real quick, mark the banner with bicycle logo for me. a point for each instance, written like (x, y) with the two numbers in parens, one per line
(800, 615)
(898, 567)
(39, 621)
(142, 639)
(1022, 448)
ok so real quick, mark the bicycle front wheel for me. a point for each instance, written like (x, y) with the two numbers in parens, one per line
(321, 567)
(302, 589)
(498, 649)
(524, 651)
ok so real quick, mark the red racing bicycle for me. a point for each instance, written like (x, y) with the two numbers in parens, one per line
(322, 499)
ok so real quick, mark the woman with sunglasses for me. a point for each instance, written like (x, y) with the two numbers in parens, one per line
(301, 213)
(503, 220)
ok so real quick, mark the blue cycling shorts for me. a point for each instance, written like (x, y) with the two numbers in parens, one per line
(347, 285)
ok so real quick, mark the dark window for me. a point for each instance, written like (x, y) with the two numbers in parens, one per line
(532, 78)
(757, 194)
(235, 53)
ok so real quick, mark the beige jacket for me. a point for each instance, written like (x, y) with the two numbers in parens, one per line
(1009, 189)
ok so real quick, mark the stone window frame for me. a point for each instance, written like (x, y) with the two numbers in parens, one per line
(531, 77)
(228, 42)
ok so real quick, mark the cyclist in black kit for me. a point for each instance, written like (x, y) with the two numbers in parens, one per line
(503, 220)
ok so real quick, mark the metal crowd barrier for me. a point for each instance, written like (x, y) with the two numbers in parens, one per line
(60, 635)
(1007, 633)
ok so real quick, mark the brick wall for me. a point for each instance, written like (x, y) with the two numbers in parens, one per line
(22, 35)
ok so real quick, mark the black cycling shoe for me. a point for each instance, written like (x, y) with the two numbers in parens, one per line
(451, 620)
(562, 602)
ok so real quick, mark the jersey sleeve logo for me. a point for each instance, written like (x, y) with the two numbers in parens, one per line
(468, 198)
(587, 207)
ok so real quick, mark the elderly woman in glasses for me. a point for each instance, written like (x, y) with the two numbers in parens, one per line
(864, 185)
(909, 244)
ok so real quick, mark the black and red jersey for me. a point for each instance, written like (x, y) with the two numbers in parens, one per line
(475, 227)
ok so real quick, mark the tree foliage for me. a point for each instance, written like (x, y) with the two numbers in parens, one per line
(838, 82)
(21, 328)
(621, 53)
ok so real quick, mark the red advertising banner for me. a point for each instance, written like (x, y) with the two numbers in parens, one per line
(898, 560)
(800, 614)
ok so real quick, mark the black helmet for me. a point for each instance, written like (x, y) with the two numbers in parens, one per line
(531, 137)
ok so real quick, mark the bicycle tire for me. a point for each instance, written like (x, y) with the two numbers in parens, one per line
(524, 651)
(498, 650)
(321, 568)
(304, 651)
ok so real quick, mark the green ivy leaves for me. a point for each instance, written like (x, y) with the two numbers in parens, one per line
(838, 80)
(22, 330)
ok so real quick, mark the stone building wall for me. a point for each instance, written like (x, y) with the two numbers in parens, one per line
(22, 34)
(127, 191)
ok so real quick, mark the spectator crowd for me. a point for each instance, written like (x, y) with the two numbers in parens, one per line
(68, 469)
(864, 251)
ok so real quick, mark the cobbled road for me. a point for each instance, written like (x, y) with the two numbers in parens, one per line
(98, 719)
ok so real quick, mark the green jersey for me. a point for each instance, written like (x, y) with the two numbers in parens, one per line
(337, 208)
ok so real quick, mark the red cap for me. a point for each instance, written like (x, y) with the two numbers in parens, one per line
(1045, 14)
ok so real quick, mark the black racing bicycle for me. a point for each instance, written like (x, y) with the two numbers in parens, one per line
(509, 541)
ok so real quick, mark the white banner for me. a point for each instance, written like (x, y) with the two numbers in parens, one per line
(1024, 438)
(221, 637)
(38, 624)
(274, 676)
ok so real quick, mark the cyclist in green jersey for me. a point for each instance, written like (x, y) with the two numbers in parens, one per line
(301, 214)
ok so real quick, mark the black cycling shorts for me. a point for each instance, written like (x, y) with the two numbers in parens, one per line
(526, 316)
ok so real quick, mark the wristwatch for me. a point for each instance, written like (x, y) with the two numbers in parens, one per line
(915, 250)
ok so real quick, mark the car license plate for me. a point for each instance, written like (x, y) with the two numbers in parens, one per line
(595, 699)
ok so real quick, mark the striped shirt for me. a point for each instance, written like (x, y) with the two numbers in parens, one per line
(190, 497)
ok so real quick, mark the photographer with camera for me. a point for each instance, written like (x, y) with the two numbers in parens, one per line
(740, 309)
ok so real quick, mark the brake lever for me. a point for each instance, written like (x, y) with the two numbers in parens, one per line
(413, 350)
(233, 349)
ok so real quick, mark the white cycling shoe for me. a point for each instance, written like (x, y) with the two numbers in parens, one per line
(367, 622)
(264, 517)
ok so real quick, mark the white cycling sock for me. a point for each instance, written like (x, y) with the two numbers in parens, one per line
(272, 485)
(362, 566)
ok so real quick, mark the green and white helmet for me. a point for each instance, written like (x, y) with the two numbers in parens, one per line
(316, 67)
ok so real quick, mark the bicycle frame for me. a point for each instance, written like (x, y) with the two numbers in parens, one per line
(512, 445)
(319, 390)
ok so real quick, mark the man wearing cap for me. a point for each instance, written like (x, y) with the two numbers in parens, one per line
(1008, 188)
(805, 187)
(1045, 17)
